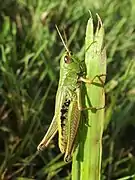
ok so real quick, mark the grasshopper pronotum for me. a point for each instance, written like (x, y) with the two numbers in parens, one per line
(67, 105)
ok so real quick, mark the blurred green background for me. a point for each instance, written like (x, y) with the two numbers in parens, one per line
(30, 50)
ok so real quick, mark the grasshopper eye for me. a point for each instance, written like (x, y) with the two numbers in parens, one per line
(67, 59)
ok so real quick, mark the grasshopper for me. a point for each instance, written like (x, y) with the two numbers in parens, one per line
(67, 104)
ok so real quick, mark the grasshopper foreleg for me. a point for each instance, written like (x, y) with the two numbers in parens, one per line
(91, 81)
(79, 94)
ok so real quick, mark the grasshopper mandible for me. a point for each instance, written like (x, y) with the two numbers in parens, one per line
(67, 105)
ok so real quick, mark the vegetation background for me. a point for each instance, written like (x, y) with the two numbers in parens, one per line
(30, 50)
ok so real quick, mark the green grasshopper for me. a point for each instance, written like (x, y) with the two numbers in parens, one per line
(67, 105)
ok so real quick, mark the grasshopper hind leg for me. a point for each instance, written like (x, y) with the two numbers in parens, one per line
(68, 157)
(49, 135)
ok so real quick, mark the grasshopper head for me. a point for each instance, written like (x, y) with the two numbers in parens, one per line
(67, 60)
(69, 63)
(69, 66)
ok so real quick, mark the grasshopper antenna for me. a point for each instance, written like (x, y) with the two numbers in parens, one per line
(65, 37)
(62, 39)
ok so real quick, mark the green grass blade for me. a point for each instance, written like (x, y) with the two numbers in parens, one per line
(87, 158)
